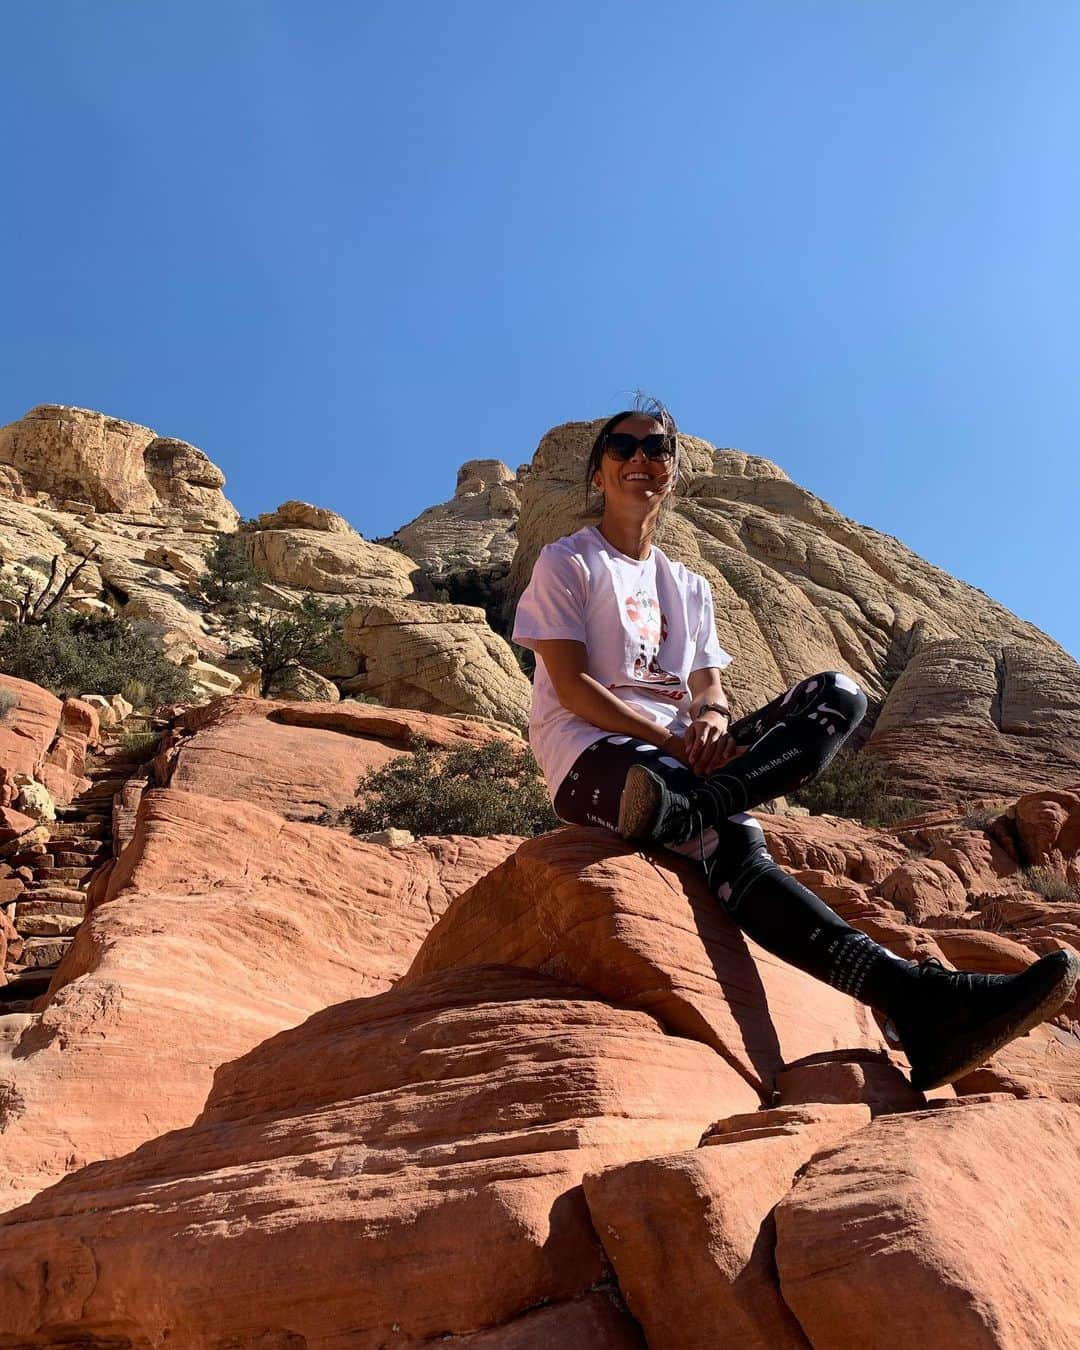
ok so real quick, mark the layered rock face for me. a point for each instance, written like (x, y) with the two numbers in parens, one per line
(519, 1093)
(438, 658)
(969, 719)
(476, 528)
(221, 923)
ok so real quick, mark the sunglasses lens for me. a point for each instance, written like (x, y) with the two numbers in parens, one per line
(622, 445)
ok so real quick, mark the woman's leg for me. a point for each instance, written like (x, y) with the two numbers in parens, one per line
(788, 742)
(946, 1022)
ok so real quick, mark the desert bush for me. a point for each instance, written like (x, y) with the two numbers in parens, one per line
(979, 817)
(140, 745)
(82, 653)
(856, 786)
(8, 703)
(1049, 882)
(138, 694)
(479, 790)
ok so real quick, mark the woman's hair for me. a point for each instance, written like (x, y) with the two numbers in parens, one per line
(644, 406)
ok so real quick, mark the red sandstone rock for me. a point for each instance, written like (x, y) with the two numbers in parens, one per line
(397, 1168)
(1044, 1063)
(923, 889)
(221, 925)
(851, 1076)
(25, 733)
(10, 943)
(1047, 823)
(595, 1322)
(644, 931)
(300, 759)
(950, 1227)
(691, 1235)
(831, 844)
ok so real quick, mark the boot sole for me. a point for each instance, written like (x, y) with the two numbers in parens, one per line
(998, 1033)
(639, 804)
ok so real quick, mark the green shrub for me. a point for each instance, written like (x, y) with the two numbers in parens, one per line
(479, 790)
(231, 579)
(856, 786)
(74, 654)
(140, 745)
(8, 702)
(1049, 882)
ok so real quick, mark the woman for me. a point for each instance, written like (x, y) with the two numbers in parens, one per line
(632, 729)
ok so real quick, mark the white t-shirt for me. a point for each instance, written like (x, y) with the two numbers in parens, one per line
(646, 624)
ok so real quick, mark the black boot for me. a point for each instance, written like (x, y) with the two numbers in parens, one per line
(949, 1022)
(946, 1022)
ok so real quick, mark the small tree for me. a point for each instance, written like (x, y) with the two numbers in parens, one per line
(279, 640)
(36, 600)
(480, 790)
(231, 579)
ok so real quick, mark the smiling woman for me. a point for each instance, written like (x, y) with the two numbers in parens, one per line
(631, 726)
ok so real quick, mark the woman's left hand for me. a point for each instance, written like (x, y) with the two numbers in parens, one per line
(708, 745)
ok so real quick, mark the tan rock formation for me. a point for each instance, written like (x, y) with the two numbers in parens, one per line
(888, 1239)
(325, 558)
(106, 464)
(438, 658)
(476, 528)
(971, 718)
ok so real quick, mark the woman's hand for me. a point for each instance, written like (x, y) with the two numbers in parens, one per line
(707, 744)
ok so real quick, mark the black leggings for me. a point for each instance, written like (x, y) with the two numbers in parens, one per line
(789, 741)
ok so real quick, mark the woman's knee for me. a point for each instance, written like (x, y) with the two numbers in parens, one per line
(839, 705)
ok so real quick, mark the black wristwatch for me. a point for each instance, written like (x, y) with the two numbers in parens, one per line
(714, 707)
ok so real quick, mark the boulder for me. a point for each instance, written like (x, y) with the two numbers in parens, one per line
(437, 658)
(644, 931)
(888, 1238)
(333, 562)
(691, 1234)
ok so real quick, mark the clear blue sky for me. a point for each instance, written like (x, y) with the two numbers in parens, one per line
(343, 247)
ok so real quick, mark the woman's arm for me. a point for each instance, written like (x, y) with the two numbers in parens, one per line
(565, 663)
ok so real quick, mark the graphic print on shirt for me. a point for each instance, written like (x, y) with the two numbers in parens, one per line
(650, 625)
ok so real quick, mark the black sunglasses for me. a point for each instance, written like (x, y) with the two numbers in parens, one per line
(622, 445)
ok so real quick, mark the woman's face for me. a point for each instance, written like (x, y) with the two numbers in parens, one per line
(639, 481)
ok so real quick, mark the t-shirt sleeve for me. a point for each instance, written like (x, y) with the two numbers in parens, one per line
(553, 603)
(708, 650)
